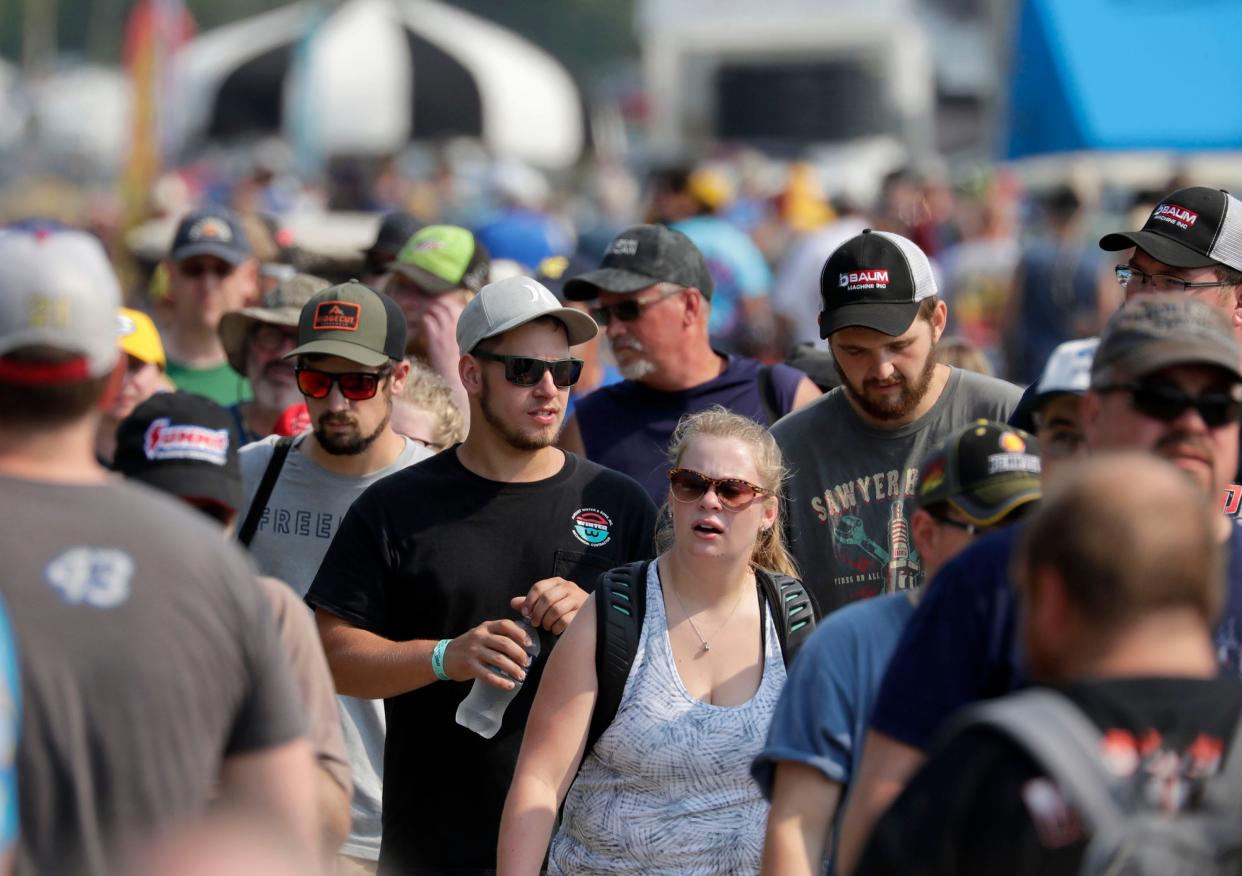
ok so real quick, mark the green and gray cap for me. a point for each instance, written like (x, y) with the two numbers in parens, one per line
(354, 322)
(985, 471)
(512, 302)
(441, 258)
(1152, 332)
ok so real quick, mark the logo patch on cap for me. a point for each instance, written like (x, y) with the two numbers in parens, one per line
(1007, 463)
(1175, 214)
(868, 278)
(125, 326)
(428, 245)
(592, 527)
(1011, 442)
(626, 246)
(336, 316)
(164, 441)
(933, 477)
(211, 228)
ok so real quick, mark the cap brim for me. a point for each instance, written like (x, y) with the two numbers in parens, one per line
(221, 251)
(426, 280)
(192, 481)
(994, 502)
(346, 350)
(236, 325)
(1159, 247)
(1156, 355)
(887, 317)
(578, 326)
(586, 287)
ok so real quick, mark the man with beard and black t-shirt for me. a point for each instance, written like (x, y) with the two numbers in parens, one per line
(1119, 604)
(854, 453)
(419, 594)
(349, 351)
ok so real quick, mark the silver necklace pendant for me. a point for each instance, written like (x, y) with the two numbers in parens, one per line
(706, 647)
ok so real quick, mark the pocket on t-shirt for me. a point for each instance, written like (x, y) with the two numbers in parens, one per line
(582, 568)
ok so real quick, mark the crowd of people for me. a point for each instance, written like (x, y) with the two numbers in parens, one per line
(480, 556)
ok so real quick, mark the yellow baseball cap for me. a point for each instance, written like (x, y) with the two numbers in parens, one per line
(138, 336)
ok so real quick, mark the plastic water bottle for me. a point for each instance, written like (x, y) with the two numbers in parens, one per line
(484, 707)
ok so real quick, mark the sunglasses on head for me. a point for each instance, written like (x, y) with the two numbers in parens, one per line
(1166, 403)
(355, 385)
(628, 310)
(528, 371)
(735, 494)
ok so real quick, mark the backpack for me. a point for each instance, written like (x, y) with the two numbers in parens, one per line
(621, 605)
(1125, 838)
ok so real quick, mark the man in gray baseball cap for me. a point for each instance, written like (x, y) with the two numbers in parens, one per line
(651, 296)
(504, 528)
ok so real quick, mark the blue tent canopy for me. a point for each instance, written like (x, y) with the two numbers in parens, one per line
(1125, 74)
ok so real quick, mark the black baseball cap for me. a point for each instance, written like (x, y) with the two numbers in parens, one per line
(213, 231)
(640, 256)
(352, 321)
(394, 230)
(875, 280)
(1194, 227)
(984, 471)
(183, 444)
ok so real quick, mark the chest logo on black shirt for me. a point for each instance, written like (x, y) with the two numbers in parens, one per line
(592, 527)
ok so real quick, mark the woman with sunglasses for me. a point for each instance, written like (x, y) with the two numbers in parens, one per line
(667, 787)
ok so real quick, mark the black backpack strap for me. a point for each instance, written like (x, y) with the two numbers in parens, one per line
(280, 451)
(620, 605)
(767, 394)
(793, 609)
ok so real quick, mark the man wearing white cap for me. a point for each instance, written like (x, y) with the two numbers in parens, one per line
(1056, 405)
(151, 671)
(423, 586)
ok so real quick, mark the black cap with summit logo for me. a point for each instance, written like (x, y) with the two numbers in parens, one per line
(354, 322)
(875, 280)
(1194, 227)
(639, 256)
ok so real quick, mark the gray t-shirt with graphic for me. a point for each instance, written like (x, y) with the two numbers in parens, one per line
(305, 508)
(851, 489)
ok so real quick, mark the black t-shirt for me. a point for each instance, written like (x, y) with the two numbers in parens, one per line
(428, 553)
(981, 805)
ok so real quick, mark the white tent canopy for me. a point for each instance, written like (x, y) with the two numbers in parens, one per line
(353, 85)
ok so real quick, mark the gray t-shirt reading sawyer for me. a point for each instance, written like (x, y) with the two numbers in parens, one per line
(305, 508)
(851, 489)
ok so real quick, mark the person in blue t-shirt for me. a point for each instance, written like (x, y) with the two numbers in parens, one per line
(652, 296)
(1165, 380)
(984, 476)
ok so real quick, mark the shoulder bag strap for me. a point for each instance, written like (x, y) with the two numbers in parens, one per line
(261, 496)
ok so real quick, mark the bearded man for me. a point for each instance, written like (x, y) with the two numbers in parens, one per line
(349, 364)
(854, 453)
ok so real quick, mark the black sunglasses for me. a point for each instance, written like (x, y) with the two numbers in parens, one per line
(628, 310)
(688, 485)
(1166, 403)
(355, 385)
(528, 371)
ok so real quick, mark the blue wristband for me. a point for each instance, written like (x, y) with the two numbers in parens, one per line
(437, 659)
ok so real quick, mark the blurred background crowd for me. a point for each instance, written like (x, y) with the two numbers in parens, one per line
(1000, 135)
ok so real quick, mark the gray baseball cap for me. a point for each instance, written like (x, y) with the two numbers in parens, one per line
(1152, 332)
(640, 256)
(57, 290)
(502, 306)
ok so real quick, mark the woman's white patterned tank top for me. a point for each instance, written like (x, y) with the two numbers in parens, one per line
(667, 788)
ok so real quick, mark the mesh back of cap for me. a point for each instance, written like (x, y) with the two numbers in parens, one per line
(1227, 248)
(920, 267)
